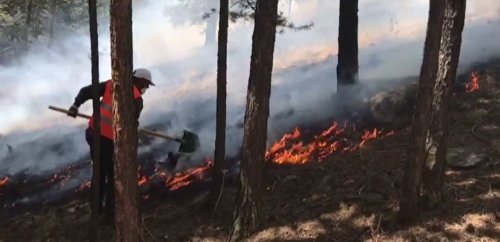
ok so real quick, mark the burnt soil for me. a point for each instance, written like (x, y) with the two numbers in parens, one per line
(349, 197)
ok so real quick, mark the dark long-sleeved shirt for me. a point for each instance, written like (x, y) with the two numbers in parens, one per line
(86, 93)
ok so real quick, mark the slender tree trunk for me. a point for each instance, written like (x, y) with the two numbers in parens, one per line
(125, 124)
(347, 68)
(437, 134)
(95, 203)
(220, 136)
(29, 12)
(27, 29)
(420, 123)
(256, 116)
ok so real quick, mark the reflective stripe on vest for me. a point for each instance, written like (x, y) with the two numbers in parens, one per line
(107, 110)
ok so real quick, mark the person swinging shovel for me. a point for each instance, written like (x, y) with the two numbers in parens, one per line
(142, 81)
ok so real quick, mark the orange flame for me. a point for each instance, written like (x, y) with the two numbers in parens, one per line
(369, 135)
(181, 179)
(4, 181)
(185, 178)
(473, 85)
(282, 143)
(171, 182)
(291, 150)
(142, 180)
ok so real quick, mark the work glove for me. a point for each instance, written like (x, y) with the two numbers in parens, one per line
(73, 111)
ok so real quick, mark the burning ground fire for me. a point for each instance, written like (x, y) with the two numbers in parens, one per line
(291, 150)
(473, 84)
(178, 180)
(297, 147)
(4, 181)
(171, 181)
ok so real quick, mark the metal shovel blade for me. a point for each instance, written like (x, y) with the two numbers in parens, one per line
(190, 142)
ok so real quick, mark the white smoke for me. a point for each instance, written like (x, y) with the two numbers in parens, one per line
(391, 46)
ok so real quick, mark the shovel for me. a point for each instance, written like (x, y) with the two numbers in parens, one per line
(189, 141)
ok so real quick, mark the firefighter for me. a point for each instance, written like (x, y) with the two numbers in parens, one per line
(142, 80)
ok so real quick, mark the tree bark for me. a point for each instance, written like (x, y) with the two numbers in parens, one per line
(256, 116)
(437, 134)
(27, 30)
(220, 136)
(420, 123)
(347, 68)
(125, 124)
(95, 203)
(29, 12)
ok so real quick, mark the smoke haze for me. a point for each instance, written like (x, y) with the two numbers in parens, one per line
(391, 42)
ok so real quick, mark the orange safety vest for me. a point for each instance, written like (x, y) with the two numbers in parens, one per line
(106, 110)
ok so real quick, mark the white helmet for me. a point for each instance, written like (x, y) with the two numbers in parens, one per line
(143, 73)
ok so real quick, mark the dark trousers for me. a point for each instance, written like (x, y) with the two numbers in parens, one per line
(106, 179)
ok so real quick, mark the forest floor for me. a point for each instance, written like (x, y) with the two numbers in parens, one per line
(348, 197)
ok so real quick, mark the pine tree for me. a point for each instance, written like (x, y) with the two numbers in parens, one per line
(426, 154)
(125, 124)
(220, 136)
(256, 116)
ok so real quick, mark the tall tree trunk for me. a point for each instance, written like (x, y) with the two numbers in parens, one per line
(256, 116)
(437, 134)
(29, 13)
(220, 136)
(420, 123)
(125, 124)
(27, 29)
(95, 203)
(347, 68)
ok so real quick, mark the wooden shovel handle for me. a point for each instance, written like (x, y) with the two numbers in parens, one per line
(81, 115)
(150, 132)
(153, 133)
